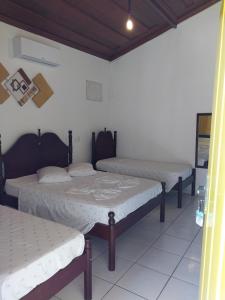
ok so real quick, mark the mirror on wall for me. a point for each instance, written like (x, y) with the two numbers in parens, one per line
(203, 128)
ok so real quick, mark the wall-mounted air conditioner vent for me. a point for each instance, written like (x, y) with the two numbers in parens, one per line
(35, 51)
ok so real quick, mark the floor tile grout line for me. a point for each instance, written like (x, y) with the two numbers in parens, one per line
(182, 255)
(131, 292)
(134, 262)
(179, 260)
(163, 288)
(164, 232)
(168, 252)
(151, 268)
(183, 239)
(115, 285)
(102, 279)
(171, 276)
(107, 292)
(148, 250)
(151, 246)
(185, 281)
(156, 271)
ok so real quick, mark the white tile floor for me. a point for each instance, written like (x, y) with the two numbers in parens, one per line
(155, 261)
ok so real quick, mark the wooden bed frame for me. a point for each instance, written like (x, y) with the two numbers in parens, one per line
(113, 230)
(104, 146)
(54, 284)
(31, 152)
(28, 154)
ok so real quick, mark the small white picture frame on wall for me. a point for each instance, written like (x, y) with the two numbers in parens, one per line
(94, 91)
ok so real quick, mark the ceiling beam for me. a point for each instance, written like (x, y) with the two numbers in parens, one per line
(143, 39)
(100, 22)
(134, 17)
(51, 36)
(159, 9)
(13, 14)
(197, 10)
(69, 28)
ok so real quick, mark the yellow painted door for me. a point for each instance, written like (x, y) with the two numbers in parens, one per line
(212, 285)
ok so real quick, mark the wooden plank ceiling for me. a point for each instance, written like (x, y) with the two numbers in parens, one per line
(98, 26)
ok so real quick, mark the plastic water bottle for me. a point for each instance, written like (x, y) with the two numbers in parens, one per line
(201, 205)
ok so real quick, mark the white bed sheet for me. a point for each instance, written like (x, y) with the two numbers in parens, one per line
(32, 250)
(155, 170)
(12, 186)
(87, 200)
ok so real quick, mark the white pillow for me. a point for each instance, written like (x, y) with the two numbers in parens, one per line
(81, 169)
(52, 175)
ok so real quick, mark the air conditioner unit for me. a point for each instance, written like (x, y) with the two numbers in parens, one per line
(35, 51)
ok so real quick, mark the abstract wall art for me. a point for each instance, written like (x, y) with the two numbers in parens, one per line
(4, 95)
(22, 88)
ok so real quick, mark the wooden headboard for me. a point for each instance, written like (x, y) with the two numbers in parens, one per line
(103, 145)
(33, 151)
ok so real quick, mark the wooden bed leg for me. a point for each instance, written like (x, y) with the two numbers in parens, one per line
(162, 203)
(93, 151)
(112, 242)
(70, 149)
(193, 182)
(1, 172)
(88, 271)
(180, 190)
(114, 142)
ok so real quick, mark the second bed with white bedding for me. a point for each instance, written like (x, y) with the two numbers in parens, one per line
(84, 201)
(155, 170)
(32, 250)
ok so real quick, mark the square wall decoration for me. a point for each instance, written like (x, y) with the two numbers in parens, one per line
(94, 91)
(21, 87)
(45, 91)
(4, 95)
(3, 73)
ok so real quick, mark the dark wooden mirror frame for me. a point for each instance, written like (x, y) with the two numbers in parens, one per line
(197, 136)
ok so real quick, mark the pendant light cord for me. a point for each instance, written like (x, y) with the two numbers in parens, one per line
(129, 7)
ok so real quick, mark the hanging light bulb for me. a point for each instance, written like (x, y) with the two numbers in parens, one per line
(129, 24)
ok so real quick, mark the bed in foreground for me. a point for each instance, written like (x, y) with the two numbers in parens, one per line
(176, 176)
(104, 205)
(39, 257)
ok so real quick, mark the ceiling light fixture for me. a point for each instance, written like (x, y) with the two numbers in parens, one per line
(129, 24)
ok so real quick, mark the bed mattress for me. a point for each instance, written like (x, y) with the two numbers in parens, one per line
(32, 250)
(160, 171)
(84, 201)
(12, 186)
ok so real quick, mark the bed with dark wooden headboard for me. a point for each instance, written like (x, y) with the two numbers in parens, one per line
(28, 154)
(104, 146)
(33, 151)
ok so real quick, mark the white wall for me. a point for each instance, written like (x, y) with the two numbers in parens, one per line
(155, 92)
(157, 89)
(67, 109)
